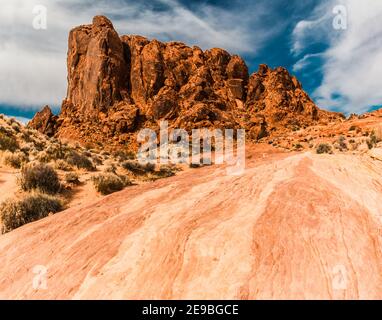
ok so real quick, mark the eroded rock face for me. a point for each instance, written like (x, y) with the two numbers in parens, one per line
(44, 121)
(117, 85)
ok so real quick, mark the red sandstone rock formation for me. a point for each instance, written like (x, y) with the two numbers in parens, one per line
(117, 85)
(44, 121)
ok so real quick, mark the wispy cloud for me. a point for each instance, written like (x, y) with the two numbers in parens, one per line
(352, 65)
(33, 62)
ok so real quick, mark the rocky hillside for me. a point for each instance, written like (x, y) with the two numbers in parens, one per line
(119, 84)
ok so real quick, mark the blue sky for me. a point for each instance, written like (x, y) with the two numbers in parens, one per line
(340, 69)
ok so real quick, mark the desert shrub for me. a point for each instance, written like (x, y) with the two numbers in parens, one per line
(107, 183)
(39, 144)
(26, 135)
(15, 126)
(14, 159)
(56, 151)
(105, 153)
(43, 156)
(138, 168)
(10, 121)
(166, 171)
(62, 165)
(341, 144)
(370, 144)
(15, 213)
(87, 153)
(373, 139)
(111, 168)
(80, 161)
(72, 178)
(8, 142)
(39, 176)
(121, 155)
(323, 148)
(96, 160)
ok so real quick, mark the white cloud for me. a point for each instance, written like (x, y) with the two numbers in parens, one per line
(352, 66)
(305, 61)
(33, 62)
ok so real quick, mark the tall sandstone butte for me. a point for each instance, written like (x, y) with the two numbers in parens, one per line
(117, 85)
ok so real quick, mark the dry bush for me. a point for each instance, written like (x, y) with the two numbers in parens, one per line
(72, 178)
(323, 148)
(8, 142)
(14, 159)
(62, 165)
(166, 171)
(80, 161)
(15, 213)
(112, 168)
(107, 183)
(43, 156)
(56, 151)
(96, 160)
(341, 144)
(121, 155)
(138, 168)
(15, 126)
(10, 121)
(38, 176)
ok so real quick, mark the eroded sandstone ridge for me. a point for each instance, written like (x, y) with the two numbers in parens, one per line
(293, 226)
(117, 85)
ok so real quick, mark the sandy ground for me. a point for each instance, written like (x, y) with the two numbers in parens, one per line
(8, 183)
(294, 225)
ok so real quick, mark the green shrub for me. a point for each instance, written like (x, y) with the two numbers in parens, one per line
(323, 148)
(138, 168)
(38, 176)
(14, 159)
(80, 161)
(107, 183)
(8, 142)
(15, 213)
